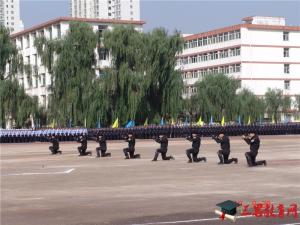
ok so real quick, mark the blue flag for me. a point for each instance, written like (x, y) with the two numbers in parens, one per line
(211, 120)
(239, 120)
(186, 122)
(98, 125)
(130, 124)
(260, 119)
(70, 124)
(161, 121)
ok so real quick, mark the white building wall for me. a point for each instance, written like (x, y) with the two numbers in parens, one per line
(261, 57)
(41, 81)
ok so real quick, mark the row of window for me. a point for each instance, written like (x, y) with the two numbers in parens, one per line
(192, 89)
(209, 56)
(41, 33)
(234, 68)
(227, 36)
(37, 81)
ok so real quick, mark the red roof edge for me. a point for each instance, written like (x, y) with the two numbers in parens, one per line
(70, 19)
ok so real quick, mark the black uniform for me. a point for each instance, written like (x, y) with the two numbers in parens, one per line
(129, 152)
(102, 147)
(82, 148)
(193, 152)
(55, 146)
(254, 143)
(225, 150)
(163, 148)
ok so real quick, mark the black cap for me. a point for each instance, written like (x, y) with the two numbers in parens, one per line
(229, 207)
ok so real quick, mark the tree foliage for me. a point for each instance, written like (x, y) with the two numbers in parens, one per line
(216, 96)
(16, 105)
(274, 102)
(247, 104)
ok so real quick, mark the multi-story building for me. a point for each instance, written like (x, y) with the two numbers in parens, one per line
(261, 53)
(106, 9)
(36, 80)
(10, 15)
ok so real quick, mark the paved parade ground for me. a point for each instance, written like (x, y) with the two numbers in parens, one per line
(42, 189)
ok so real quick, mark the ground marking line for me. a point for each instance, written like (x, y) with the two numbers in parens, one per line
(290, 224)
(201, 220)
(46, 173)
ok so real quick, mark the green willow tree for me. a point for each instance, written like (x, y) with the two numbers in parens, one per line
(16, 105)
(73, 74)
(123, 82)
(275, 101)
(143, 82)
(216, 96)
(247, 104)
(163, 83)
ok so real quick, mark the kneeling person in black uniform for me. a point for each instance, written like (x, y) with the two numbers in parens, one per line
(55, 145)
(82, 148)
(129, 152)
(102, 147)
(193, 152)
(253, 140)
(163, 140)
(224, 153)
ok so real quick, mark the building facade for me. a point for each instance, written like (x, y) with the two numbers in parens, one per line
(35, 79)
(106, 9)
(10, 15)
(261, 53)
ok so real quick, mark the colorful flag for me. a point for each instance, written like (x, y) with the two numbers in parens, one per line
(53, 124)
(70, 123)
(116, 123)
(172, 122)
(186, 122)
(129, 124)
(249, 120)
(273, 119)
(223, 121)
(200, 122)
(161, 121)
(98, 125)
(260, 119)
(211, 120)
(146, 122)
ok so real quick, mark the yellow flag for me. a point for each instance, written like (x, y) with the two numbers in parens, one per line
(223, 121)
(116, 123)
(85, 122)
(172, 122)
(200, 122)
(249, 120)
(53, 123)
(273, 119)
(146, 122)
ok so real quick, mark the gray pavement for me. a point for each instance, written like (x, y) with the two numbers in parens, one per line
(41, 189)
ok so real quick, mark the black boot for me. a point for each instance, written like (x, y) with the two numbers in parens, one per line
(155, 156)
(221, 158)
(248, 160)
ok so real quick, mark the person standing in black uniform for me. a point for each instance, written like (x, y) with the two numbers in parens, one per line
(253, 140)
(55, 145)
(193, 152)
(82, 148)
(224, 153)
(129, 152)
(102, 147)
(163, 140)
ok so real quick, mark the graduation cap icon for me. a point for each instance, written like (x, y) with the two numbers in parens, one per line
(228, 210)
